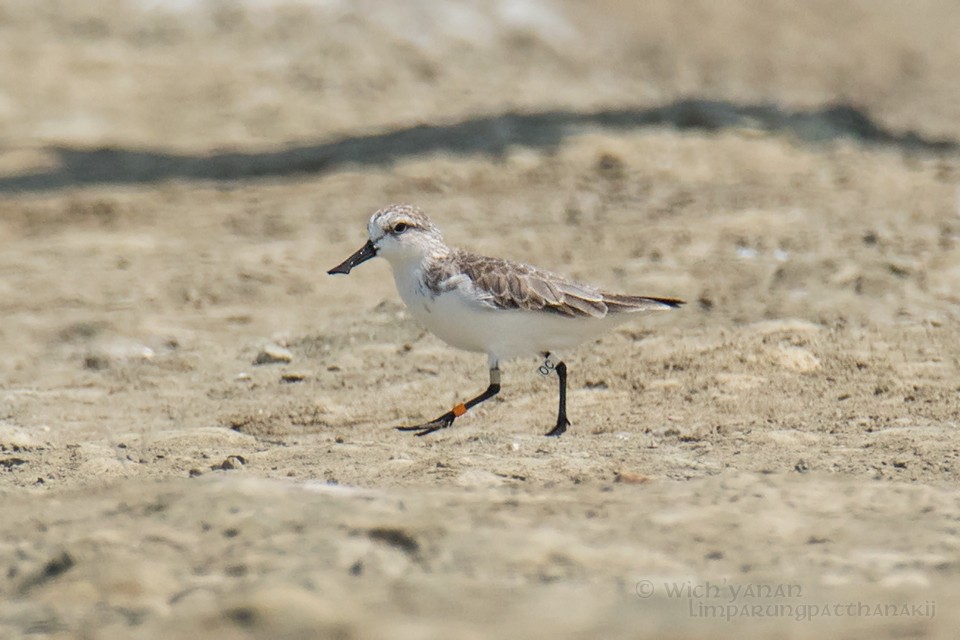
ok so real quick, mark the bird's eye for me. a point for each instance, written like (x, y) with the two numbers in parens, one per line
(400, 227)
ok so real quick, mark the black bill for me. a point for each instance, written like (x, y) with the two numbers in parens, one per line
(365, 252)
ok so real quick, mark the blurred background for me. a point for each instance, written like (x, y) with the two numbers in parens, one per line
(193, 77)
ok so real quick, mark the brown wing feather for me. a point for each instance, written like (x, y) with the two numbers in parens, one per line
(514, 285)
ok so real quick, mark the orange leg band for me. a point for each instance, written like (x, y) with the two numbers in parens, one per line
(459, 410)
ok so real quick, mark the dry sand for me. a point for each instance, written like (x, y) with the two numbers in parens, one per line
(779, 459)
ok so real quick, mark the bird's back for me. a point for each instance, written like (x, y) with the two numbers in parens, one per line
(505, 284)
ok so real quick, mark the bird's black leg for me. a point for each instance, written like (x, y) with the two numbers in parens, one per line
(447, 419)
(562, 422)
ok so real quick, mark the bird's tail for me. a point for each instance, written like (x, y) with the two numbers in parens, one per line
(617, 303)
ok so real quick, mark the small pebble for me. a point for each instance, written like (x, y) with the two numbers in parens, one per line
(273, 354)
(629, 477)
(231, 462)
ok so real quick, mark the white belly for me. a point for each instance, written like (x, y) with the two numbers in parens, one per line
(468, 324)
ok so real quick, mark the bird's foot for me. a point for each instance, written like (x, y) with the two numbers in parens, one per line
(557, 431)
(442, 422)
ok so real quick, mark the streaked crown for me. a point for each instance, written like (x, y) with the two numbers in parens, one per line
(403, 230)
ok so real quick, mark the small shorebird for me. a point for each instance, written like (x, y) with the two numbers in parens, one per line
(501, 308)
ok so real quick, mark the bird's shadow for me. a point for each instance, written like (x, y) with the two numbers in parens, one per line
(484, 135)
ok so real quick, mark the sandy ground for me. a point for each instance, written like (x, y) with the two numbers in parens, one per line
(778, 459)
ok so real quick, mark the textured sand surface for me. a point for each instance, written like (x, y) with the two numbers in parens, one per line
(174, 183)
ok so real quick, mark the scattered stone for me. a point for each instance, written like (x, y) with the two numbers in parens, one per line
(293, 376)
(395, 538)
(629, 477)
(195, 472)
(96, 362)
(903, 267)
(273, 354)
(230, 463)
(56, 566)
(116, 351)
(801, 466)
(10, 463)
(846, 275)
(796, 359)
(610, 166)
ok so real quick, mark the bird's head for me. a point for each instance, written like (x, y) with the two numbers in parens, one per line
(400, 233)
